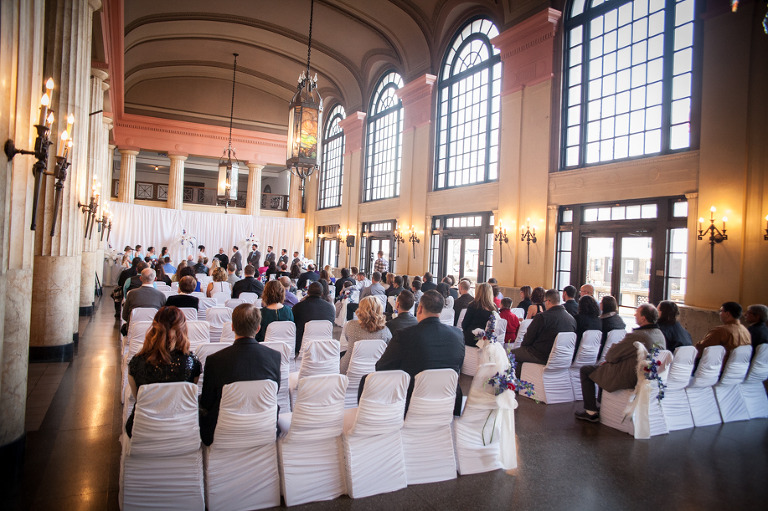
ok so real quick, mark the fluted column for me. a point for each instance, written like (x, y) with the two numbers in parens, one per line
(175, 181)
(253, 196)
(127, 185)
(294, 198)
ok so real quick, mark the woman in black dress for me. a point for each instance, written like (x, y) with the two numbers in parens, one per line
(537, 303)
(610, 318)
(478, 312)
(588, 318)
(673, 331)
(525, 298)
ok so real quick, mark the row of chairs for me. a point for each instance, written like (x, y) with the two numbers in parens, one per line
(323, 451)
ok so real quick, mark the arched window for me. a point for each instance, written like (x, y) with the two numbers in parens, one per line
(468, 110)
(384, 145)
(628, 79)
(333, 161)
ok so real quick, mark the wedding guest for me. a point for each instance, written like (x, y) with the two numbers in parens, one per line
(160, 276)
(219, 284)
(189, 271)
(569, 300)
(404, 317)
(445, 290)
(587, 318)
(369, 325)
(513, 322)
(756, 317)
(525, 298)
(674, 333)
(187, 285)
(478, 313)
(232, 277)
(273, 308)
(249, 284)
(537, 303)
(312, 307)
(731, 334)
(290, 298)
(609, 319)
(462, 302)
(169, 268)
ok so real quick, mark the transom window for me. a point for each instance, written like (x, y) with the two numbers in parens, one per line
(333, 160)
(628, 75)
(468, 110)
(384, 146)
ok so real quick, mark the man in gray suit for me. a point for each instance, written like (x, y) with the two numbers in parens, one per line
(375, 288)
(144, 296)
(404, 317)
(237, 259)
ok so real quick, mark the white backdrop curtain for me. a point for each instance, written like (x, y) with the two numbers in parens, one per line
(159, 227)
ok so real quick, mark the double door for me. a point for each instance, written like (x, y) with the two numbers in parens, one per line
(463, 257)
(620, 265)
(373, 245)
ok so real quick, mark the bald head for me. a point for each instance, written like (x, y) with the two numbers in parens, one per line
(147, 276)
(587, 289)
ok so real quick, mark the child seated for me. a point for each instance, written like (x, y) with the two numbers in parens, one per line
(513, 322)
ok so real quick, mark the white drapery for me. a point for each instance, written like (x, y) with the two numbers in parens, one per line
(159, 227)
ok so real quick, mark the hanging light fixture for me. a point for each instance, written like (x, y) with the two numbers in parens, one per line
(228, 164)
(304, 120)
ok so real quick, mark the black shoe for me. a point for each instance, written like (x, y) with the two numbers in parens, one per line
(589, 417)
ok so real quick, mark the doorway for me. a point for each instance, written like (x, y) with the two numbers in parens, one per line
(629, 280)
(462, 257)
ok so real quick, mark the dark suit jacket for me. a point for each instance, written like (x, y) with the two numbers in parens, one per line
(282, 259)
(245, 360)
(393, 291)
(462, 302)
(428, 286)
(270, 256)
(223, 260)
(544, 328)
(340, 284)
(183, 301)
(254, 259)
(572, 307)
(759, 334)
(237, 260)
(144, 296)
(404, 320)
(307, 278)
(125, 275)
(427, 345)
(247, 285)
(311, 308)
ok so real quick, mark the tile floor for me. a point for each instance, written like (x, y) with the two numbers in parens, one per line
(73, 454)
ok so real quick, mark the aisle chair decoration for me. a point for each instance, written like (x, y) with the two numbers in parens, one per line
(649, 368)
(484, 337)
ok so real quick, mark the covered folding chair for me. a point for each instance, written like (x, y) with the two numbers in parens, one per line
(614, 336)
(677, 411)
(500, 330)
(190, 313)
(341, 316)
(486, 428)
(552, 382)
(175, 286)
(752, 389)
(311, 459)
(143, 314)
(587, 355)
(283, 398)
(521, 332)
(198, 333)
(727, 390)
(320, 357)
(373, 451)
(199, 294)
(365, 354)
(232, 303)
(316, 329)
(520, 313)
(471, 358)
(205, 304)
(248, 297)
(446, 316)
(701, 396)
(427, 435)
(222, 297)
(227, 334)
(202, 353)
(137, 332)
(241, 471)
(161, 465)
(283, 331)
(217, 317)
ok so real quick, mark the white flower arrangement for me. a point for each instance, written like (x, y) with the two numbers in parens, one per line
(251, 239)
(187, 239)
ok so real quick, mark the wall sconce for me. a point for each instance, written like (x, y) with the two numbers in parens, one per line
(528, 237)
(715, 236)
(90, 210)
(765, 236)
(105, 223)
(398, 238)
(414, 239)
(500, 235)
(308, 237)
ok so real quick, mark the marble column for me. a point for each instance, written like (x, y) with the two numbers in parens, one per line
(127, 185)
(253, 195)
(175, 181)
(21, 66)
(294, 198)
(58, 258)
(105, 176)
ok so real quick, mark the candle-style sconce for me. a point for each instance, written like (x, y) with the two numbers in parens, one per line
(500, 235)
(90, 210)
(414, 239)
(398, 238)
(308, 237)
(715, 236)
(528, 237)
(765, 236)
(105, 223)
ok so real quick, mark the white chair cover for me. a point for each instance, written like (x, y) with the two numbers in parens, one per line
(203, 352)
(283, 331)
(221, 297)
(175, 286)
(161, 465)
(198, 333)
(316, 329)
(227, 334)
(589, 347)
(614, 336)
(471, 358)
(204, 304)
(677, 411)
(461, 317)
(500, 329)
(232, 303)
(201, 277)
(311, 454)
(341, 316)
(701, 396)
(190, 313)
(486, 428)
(143, 314)
(198, 294)
(521, 332)
(520, 313)
(283, 399)
(752, 389)
(241, 464)
(727, 391)
(167, 292)
(552, 382)
(137, 331)
(248, 297)
(446, 315)
(427, 436)
(373, 449)
(320, 357)
(365, 354)
(217, 317)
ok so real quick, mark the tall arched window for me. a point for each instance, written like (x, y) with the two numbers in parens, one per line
(384, 145)
(333, 161)
(628, 75)
(468, 110)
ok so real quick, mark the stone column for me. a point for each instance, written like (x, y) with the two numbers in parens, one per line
(294, 198)
(175, 180)
(105, 173)
(253, 195)
(127, 186)
(57, 266)
(353, 126)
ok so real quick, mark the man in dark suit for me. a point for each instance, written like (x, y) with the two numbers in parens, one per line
(340, 282)
(404, 317)
(428, 284)
(135, 281)
(307, 277)
(222, 257)
(569, 300)
(395, 288)
(283, 258)
(540, 337)
(270, 257)
(249, 284)
(187, 285)
(254, 257)
(237, 259)
(144, 296)
(245, 360)
(427, 345)
(310, 308)
(462, 302)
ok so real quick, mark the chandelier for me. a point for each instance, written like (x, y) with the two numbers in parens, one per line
(228, 164)
(304, 117)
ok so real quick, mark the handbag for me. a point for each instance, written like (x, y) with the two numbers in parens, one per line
(117, 294)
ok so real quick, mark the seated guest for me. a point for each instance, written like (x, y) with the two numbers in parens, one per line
(361, 281)
(124, 276)
(513, 322)
(164, 357)
(284, 270)
(478, 313)
(187, 285)
(396, 287)
(427, 284)
(756, 318)
(245, 360)
(537, 303)
(448, 279)
(202, 265)
(273, 308)
(145, 296)
(369, 325)
(263, 269)
(417, 292)
(161, 277)
(609, 319)
(329, 270)
(619, 371)
(189, 271)
(312, 307)
(135, 281)
(176, 277)
(169, 268)
(352, 295)
(731, 334)
(232, 277)
(388, 280)
(540, 336)
(674, 333)
(272, 270)
(339, 285)
(295, 272)
(308, 277)
(427, 345)
(290, 298)
(445, 290)
(497, 295)
(587, 289)
(214, 266)
(525, 299)
(219, 284)
(463, 301)
(249, 284)
(569, 300)
(375, 289)
(404, 317)
(325, 282)
(587, 318)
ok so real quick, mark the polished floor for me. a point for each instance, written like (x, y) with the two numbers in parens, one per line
(73, 453)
